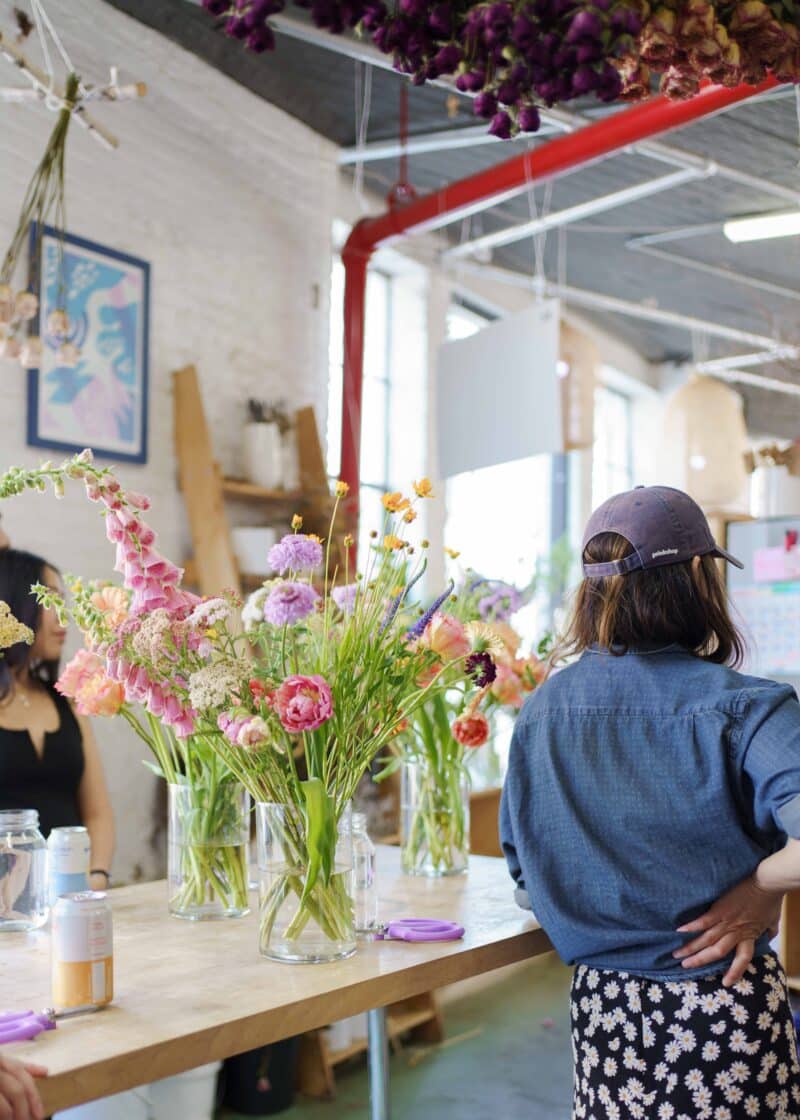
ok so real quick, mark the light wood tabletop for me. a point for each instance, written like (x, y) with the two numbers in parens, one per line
(186, 993)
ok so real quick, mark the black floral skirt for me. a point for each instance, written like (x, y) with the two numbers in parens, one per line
(686, 1050)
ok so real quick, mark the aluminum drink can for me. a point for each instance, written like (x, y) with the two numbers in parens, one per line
(82, 954)
(68, 857)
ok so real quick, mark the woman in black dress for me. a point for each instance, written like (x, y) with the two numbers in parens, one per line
(49, 759)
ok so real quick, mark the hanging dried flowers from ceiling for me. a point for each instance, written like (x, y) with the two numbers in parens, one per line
(518, 55)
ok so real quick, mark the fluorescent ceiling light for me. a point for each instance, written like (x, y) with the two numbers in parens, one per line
(786, 224)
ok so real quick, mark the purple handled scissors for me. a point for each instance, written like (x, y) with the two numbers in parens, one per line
(420, 929)
(20, 1026)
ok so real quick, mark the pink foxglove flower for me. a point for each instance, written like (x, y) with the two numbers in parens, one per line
(303, 703)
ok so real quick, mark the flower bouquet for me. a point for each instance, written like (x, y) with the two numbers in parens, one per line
(139, 639)
(435, 750)
(295, 707)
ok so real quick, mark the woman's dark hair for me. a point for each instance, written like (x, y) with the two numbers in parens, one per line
(18, 572)
(670, 605)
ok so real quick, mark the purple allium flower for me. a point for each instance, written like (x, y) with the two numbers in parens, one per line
(501, 126)
(528, 119)
(289, 602)
(481, 668)
(345, 597)
(295, 553)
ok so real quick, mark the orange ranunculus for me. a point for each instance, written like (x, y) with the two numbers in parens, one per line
(471, 729)
(507, 687)
(531, 671)
(112, 602)
(85, 681)
(446, 636)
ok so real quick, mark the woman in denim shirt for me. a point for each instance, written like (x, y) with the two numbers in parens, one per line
(651, 816)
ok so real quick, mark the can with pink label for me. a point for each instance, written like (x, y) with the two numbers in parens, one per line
(82, 953)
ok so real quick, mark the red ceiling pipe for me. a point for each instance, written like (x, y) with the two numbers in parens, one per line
(497, 183)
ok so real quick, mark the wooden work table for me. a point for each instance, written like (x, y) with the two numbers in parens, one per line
(187, 993)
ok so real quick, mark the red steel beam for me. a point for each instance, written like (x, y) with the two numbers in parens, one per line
(492, 186)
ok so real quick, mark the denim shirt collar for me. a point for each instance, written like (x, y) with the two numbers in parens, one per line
(643, 649)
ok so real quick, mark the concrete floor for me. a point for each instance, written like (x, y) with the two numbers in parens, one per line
(513, 1062)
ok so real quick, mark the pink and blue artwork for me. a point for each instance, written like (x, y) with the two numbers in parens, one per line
(101, 402)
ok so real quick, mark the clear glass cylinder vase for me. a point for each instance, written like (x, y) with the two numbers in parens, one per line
(23, 871)
(296, 925)
(434, 820)
(208, 832)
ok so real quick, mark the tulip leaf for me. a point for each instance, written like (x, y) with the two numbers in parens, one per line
(321, 833)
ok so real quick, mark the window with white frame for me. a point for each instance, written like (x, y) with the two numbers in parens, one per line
(612, 455)
(394, 383)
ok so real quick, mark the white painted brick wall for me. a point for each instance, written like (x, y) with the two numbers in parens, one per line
(232, 203)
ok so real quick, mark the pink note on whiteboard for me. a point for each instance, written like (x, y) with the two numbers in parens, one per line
(773, 565)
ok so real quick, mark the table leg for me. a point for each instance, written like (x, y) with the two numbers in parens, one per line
(378, 1040)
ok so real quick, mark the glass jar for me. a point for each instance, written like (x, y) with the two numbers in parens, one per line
(23, 871)
(208, 834)
(297, 925)
(434, 820)
(365, 885)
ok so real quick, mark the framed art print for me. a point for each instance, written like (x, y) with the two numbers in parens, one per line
(101, 402)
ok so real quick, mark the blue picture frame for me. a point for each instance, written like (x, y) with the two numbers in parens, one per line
(102, 402)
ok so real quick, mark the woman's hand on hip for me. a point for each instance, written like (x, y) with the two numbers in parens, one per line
(733, 924)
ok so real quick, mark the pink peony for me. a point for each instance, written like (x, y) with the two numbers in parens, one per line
(303, 703)
(446, 636)
(471, 730)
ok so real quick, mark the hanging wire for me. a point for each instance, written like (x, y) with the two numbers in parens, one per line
(562, 256)
(363, 103)
(48, 63)
(797, 108)
(45, 18)
(540, 239)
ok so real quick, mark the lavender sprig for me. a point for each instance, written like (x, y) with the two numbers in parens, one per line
(418, 628)
(397, 602)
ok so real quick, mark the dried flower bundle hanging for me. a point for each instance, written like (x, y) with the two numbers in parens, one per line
(518, 55)
(44, 198)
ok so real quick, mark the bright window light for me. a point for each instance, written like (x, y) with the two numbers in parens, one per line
(786, 224)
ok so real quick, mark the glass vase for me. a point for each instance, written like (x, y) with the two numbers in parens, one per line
(434, 819)
(207, 851)
(23, 871)
(293, 928)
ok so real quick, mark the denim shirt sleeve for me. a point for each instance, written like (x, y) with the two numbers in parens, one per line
(507, 839)
(768, 738)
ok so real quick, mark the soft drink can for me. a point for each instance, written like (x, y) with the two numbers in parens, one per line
(82, 953)
(68, 857)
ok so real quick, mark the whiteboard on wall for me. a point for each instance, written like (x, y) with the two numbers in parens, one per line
(498, 392)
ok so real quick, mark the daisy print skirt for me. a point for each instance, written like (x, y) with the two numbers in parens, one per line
(685, 1050)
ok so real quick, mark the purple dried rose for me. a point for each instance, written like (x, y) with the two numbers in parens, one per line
(471, 81)
(260, 39)
(289, 602)
(236, 28)
(528, 119)
(501, 126)
(217, 7)
(485, 104)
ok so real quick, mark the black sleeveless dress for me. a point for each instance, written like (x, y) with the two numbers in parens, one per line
(48, 783)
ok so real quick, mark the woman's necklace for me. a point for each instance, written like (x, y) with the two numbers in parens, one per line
(23, 699)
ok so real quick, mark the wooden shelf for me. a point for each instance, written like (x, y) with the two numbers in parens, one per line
(241, 488)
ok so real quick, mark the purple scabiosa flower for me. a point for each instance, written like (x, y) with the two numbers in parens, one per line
(502, 601)
(289, 602)
(345, 597)
(295, 552)
(501, 126)
(481, 668)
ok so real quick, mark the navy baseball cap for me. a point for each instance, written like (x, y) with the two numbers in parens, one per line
(663, 526)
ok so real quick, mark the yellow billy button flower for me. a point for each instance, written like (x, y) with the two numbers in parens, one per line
(393, 543)
(341, 489)
(395, 502)
(297, 523)
(348, 540)
(423, 488)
